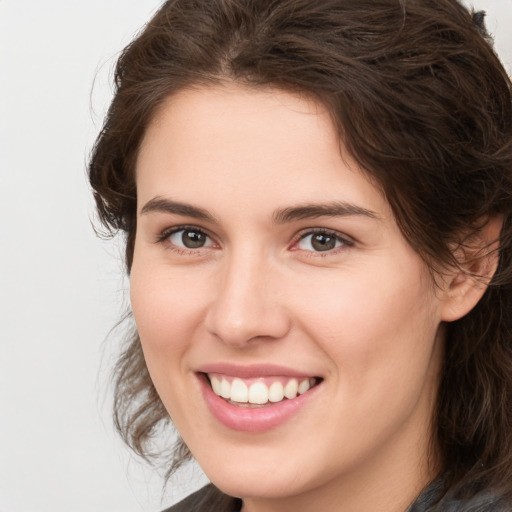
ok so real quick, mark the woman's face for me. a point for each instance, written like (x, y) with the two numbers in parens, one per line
(267, 263)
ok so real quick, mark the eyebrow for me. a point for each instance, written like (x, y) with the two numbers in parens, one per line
(161, 205)
(311, 211)
(280, 216)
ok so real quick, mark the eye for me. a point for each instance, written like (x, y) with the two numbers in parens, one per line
(321, 241)
(189, 238)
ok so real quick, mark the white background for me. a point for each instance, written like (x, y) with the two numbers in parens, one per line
(61, 289)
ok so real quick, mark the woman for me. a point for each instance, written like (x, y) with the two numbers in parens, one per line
(317, 202)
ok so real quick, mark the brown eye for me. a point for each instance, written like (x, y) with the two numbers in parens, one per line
(190, 239)
(320, 242)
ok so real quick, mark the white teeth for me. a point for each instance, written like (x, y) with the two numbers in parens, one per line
(225, 389)
(259, 393)
(291, 388)
(275, 392)
(215, 382)
(304, 386)
(239, 391)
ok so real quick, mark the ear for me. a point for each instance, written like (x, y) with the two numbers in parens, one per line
(478, 259)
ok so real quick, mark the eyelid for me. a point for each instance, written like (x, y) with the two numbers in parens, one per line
(346, 240)
(163, 238)
(164, 235)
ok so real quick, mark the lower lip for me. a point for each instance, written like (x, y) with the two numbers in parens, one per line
(257, 419)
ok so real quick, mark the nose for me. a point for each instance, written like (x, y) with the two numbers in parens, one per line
(248, 304)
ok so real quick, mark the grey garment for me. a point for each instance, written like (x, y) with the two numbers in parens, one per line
(433, 499)
(210, 499)
(207, 499)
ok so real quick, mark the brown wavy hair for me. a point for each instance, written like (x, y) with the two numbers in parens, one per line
(423, 104)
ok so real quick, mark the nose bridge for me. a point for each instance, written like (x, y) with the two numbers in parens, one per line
(246, 305)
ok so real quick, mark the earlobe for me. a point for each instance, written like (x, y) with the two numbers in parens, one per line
(478, 260)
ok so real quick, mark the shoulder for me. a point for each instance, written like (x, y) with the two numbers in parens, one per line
(435, 498)
(482, 502)
(207, 499)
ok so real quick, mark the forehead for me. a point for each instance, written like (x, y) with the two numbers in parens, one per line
(204, 114)
(244, 143)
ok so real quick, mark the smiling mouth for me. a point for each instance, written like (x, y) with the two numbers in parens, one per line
(259, 391)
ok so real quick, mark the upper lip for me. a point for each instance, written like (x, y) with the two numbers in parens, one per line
(252, 370)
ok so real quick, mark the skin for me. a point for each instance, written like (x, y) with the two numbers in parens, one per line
(364, 316)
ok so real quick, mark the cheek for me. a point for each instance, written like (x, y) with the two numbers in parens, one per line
(375, 328)
(381, 339)
(166, 312)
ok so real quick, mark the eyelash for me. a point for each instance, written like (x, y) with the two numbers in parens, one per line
(164, 238)
(345, 242)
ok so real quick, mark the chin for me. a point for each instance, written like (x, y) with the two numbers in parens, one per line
(264, 486)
